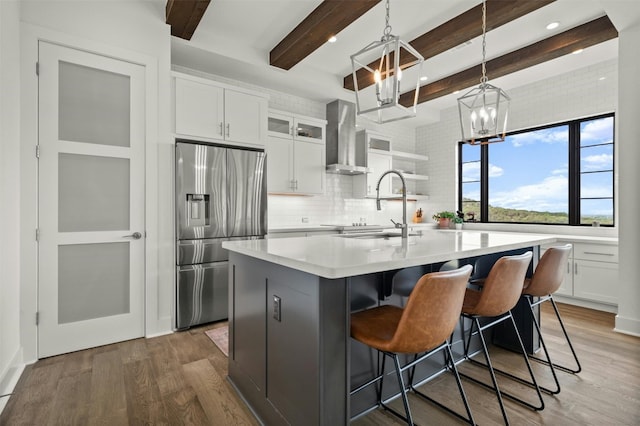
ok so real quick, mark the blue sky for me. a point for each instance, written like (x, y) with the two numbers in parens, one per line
(529, 170)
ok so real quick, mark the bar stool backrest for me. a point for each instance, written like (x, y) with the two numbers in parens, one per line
(549, 273)
(431, 312)
(503, 287)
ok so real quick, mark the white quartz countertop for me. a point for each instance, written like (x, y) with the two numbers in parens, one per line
(334, 256)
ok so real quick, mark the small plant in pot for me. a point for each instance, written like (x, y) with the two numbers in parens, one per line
(444, 219)
(458, 221)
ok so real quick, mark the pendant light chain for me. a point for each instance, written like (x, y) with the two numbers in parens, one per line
(484, 79)
(387, 27)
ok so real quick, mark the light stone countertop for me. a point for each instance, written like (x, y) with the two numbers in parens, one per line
(334, 256)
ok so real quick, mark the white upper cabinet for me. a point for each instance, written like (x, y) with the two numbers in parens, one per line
(295, 154)
(207, 110)
(288, 126)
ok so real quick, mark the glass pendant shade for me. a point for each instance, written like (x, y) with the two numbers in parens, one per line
(483, 114)
(380, 100)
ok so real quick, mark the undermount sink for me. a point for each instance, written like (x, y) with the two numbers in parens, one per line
(372, 236)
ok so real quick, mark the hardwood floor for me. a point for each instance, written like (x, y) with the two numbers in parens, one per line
(179, 379)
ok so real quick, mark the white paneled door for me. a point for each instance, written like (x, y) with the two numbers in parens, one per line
(90, 200)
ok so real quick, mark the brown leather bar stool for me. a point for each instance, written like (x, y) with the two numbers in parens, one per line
(545, 281)
(500, 293)
(421, 328)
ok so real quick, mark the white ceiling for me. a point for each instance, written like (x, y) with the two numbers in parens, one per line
(235, 37)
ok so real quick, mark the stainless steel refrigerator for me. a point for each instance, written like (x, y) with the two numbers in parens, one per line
(221, 195)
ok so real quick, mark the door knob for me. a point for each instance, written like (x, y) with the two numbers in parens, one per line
(135, 236)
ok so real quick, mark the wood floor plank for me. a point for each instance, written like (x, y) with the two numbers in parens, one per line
(214, 397)
(184, 408)
(108, 405)
(144, 404)
(71, 401)
(180, 379)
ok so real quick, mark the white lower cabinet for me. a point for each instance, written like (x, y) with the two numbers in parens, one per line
(591, 273)
(597, 281)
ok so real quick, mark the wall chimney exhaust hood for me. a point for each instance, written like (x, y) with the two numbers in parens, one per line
(344, 155)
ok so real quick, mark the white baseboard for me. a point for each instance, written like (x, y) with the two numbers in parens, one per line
(585, 303)
(10, 377)
(161, 333)
(629, 326)
(162, 327)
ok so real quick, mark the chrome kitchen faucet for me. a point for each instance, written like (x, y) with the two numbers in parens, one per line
(403, 225)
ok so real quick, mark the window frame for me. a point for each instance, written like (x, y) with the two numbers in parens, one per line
(574, 172)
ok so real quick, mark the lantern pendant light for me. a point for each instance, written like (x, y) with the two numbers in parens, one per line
(484, 109)
(387, 62)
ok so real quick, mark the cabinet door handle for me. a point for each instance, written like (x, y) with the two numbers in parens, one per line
(575, 269)
(598, 254)
(221, 128)
(291, 130)
(296, 181)
(568, 267)
(228, 126)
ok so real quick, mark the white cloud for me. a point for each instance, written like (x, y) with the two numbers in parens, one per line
(548, 195)
(548, 136)
(597, 162)
(471, 171)
(598, 131)
(495, 171)
(595, 191)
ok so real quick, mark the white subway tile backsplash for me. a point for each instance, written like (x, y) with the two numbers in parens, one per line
(572, 95)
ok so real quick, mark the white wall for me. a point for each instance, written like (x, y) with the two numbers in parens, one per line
(129, 29)
(576, 94)
(10, 349)
(628, 319)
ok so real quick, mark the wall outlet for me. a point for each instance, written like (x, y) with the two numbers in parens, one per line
(305, 220)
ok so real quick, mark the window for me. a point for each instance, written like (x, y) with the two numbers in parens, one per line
(558, 174)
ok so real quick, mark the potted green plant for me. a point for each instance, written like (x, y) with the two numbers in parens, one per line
(458, 221)
(444, 219)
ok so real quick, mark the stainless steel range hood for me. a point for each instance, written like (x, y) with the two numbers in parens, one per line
(344, 155)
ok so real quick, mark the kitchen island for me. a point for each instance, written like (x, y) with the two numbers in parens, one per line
(290, 353)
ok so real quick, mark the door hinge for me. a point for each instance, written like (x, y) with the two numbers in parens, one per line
(37, 318)
(37, 151)
(37, 68)
(37, 234)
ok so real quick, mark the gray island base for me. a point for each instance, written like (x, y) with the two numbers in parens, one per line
(291, 357)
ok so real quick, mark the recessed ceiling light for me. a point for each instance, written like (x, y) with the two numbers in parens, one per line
(602, 78)
(575, 52)
(424, 78)
(553, 25)
(456, 92)
(332, 39)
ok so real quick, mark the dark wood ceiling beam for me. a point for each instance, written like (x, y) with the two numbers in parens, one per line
(328, 19)
(581, 37)
(184, 16)
(456, 31)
